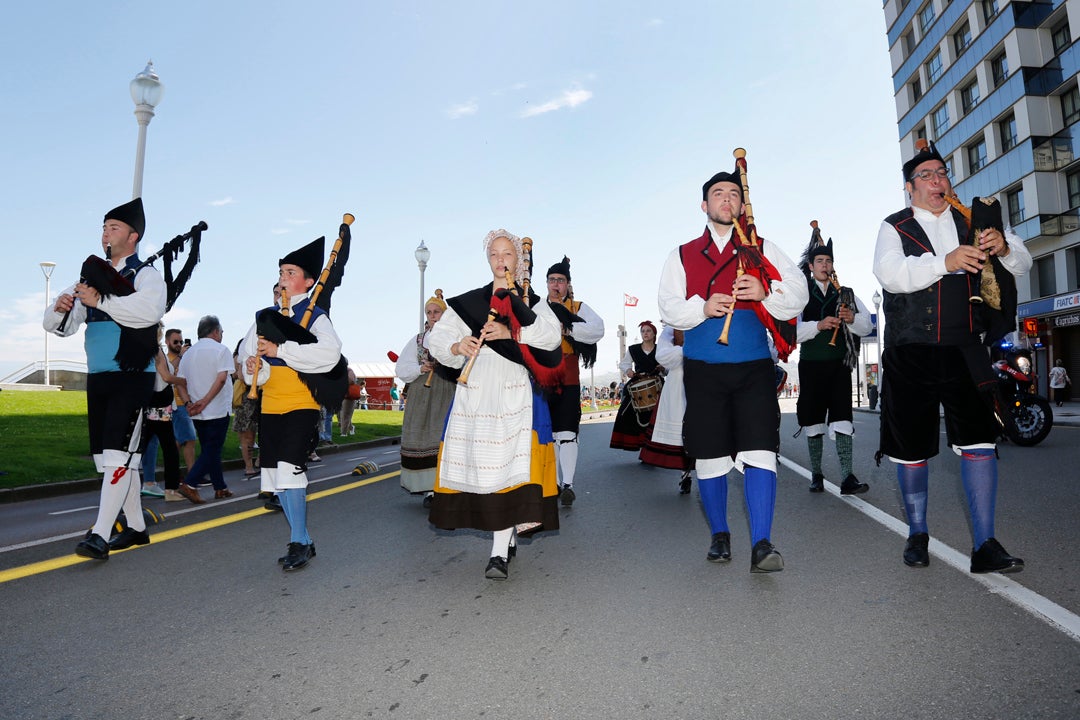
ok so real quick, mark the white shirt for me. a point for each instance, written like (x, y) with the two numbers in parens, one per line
(900, 274)
(200, 366)
(861, 327)
(785, 300)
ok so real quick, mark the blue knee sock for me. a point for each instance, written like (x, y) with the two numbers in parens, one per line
(294, 502)
(714, 499)
(759, 488)
(978, 469)
(914, 482)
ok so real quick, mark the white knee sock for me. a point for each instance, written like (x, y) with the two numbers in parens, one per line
(500, 543)
(566, 452)
(113, 497)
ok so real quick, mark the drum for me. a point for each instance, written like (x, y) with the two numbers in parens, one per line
(645, 392)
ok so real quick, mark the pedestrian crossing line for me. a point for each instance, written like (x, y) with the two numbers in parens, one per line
(1033, 603)
(45, 566)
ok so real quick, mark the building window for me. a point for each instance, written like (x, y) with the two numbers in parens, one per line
(976, 156)
(962, 38)
(908, 42)
(1015, 201)
(1070, 105)
(1074, 189)
(916, 90)
(989, 8)
(940, 118)
(1044, 270)
(999, 68)
(948, 167)
(926, 16)
(1061, 37)
(969, 96)
(934, 67)
(1007, 133)
(920, 132)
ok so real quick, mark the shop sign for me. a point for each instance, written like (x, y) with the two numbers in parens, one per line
(1066, 320)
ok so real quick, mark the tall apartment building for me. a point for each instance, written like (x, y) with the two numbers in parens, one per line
(994, 84)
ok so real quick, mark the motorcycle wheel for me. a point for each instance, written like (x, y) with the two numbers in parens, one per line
(1032, 421)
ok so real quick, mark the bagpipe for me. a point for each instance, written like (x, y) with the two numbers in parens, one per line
(138, 346)
(752, 260)
(996, 292)
(327, 388)
(845, 299)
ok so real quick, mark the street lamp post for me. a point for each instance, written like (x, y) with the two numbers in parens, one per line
(877, 334)
(146, 90)
(422, 255)
(47, 268)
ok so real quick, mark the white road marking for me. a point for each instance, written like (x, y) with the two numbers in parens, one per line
(74, 510)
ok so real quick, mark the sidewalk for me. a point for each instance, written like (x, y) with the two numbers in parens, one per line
(1067, 414)
(34, 492)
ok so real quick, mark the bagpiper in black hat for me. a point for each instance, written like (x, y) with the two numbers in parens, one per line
(731, 177)
(130, 213)
(308, 258)
(924, 150)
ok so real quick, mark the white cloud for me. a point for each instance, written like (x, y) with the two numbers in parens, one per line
(461, 110)
(569, 99)
(280, 231)
(224, 201)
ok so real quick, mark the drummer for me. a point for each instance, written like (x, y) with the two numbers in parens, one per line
(663, 447)
(641, 392)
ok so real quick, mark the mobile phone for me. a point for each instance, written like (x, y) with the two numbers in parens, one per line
(187, 342)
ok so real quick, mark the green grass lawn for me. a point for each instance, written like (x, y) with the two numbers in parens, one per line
(43, 436)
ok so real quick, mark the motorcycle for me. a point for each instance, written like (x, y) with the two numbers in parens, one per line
(1026, 417)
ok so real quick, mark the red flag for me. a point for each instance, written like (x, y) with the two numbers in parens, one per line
(629, 300)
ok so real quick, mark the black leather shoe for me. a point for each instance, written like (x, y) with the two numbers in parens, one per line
(852, 486)
(765, 559)
(274, 503)
(93, 547)
(567, 496)
(916, 553)
(720, 550)
(684, 483)
(298, 557)
(991, 557)
(817, 483)
(128, 537)
(496, 569)
(281, 560)
(511, 553)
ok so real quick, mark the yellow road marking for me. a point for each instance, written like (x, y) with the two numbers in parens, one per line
(45, 566)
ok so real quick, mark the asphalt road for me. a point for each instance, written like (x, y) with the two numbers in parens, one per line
(617, 615)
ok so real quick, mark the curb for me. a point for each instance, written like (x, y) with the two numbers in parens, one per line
(70, 487)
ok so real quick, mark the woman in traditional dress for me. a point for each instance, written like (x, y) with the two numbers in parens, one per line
(497, 467)
(431, 388)
(631, 424)
(663, 445)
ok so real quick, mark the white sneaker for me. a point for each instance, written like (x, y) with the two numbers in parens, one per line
(151, 489)
(173, 496)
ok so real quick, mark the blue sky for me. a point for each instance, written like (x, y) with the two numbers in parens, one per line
(587, 126)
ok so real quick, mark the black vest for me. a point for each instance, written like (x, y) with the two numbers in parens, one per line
(940, 314)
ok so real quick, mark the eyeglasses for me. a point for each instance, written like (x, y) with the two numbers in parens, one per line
(557, 281)
(928, 175)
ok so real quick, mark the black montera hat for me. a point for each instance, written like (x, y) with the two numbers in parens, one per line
(130, 213)
(308, 258)
(816, 247)
(924, 150)
(561, 268)
(731, 177)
